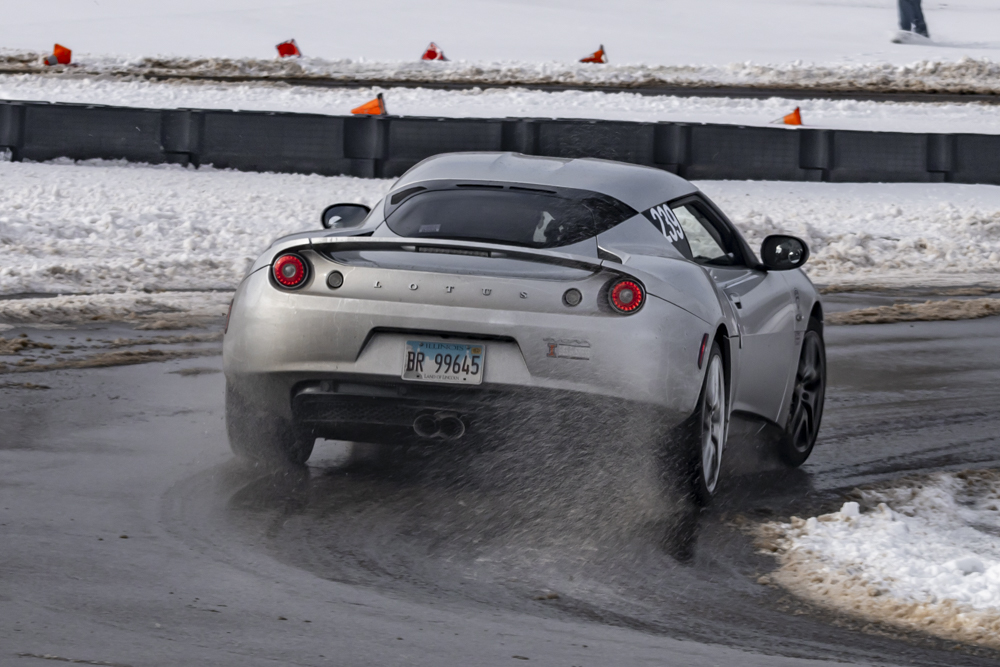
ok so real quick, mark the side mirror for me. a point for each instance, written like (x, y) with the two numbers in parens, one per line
(783, 253)
(344, 216)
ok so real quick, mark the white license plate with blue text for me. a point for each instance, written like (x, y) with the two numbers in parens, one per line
(436, 361)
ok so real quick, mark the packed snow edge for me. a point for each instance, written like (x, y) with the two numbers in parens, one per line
(964, 76)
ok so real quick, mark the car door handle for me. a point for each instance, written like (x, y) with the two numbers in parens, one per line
(735, 298)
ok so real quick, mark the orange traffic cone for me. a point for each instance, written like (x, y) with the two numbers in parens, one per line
(598, 56)
(288, 49)
(374, 108)
(60, 56)
(433, 52)
(794, 118)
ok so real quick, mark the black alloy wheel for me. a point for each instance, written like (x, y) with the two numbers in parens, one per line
(808, 394)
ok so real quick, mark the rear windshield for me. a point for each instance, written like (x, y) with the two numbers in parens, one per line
(507, 215)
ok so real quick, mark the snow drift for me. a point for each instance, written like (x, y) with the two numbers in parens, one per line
(100, 230)
(929, 311)
(921, 554)
(966, 75)
(842, 114)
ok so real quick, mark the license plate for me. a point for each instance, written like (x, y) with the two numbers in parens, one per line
(435, 361)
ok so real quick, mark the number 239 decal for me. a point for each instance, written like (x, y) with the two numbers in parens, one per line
(664, 219)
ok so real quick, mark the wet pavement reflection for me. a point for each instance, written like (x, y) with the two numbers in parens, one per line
(594, 532)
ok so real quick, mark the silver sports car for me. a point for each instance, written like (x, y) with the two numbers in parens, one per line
(487, 284)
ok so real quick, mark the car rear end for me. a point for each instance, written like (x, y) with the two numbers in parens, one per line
(391, 340)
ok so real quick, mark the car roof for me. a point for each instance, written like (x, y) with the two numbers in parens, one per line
(638, 186)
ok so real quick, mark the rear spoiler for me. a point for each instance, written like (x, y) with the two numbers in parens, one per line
(469, 248)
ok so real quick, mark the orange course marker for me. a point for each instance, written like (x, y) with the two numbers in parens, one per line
(794, 118)
(374, 108)
(60, 56)
(598, 56)
(433, 52)
(288, 49)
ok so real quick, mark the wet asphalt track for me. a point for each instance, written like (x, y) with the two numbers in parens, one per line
(442, 560)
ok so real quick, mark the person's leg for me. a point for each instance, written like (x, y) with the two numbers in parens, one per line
(919, 26)
(905, 15)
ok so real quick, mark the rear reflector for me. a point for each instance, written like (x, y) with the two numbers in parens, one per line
(701, 352)
(290, 271)
(335, 280)
(626, 296)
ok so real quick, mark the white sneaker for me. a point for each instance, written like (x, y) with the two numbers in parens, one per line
(909, 37)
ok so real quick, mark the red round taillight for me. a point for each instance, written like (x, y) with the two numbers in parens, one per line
(626, 296)
(290, 271)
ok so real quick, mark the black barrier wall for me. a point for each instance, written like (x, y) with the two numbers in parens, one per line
(386, 146)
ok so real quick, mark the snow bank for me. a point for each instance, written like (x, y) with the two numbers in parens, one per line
(872, 234)
(160, 310)
(505, 102)
(929, 311)
(119, 235)
(925, 555)
(648, 41)
(966, 75)
(111, 227)
(123, 240)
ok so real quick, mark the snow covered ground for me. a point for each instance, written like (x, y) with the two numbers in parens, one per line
(141, 310)
(868, 234)
(109, 228)
(652, 32)
(110, 232)
(798, 43)
(959, 75)
(924, 555)
(976, 118)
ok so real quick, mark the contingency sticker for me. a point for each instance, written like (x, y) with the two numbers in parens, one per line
(568, 349)
(664, 219)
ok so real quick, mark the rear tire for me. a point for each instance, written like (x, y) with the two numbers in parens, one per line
(258, 435)
(808, 395)
(703, 435)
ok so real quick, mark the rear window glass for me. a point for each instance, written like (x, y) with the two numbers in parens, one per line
(507, 215)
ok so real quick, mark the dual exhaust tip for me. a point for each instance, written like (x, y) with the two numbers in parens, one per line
(446, 426)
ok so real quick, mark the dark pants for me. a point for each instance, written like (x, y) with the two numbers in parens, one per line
(911, 17)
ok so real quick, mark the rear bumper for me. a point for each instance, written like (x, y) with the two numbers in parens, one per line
(388, 413)
(307, 356)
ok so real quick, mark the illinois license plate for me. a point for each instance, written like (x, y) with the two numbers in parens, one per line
(435, 361)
